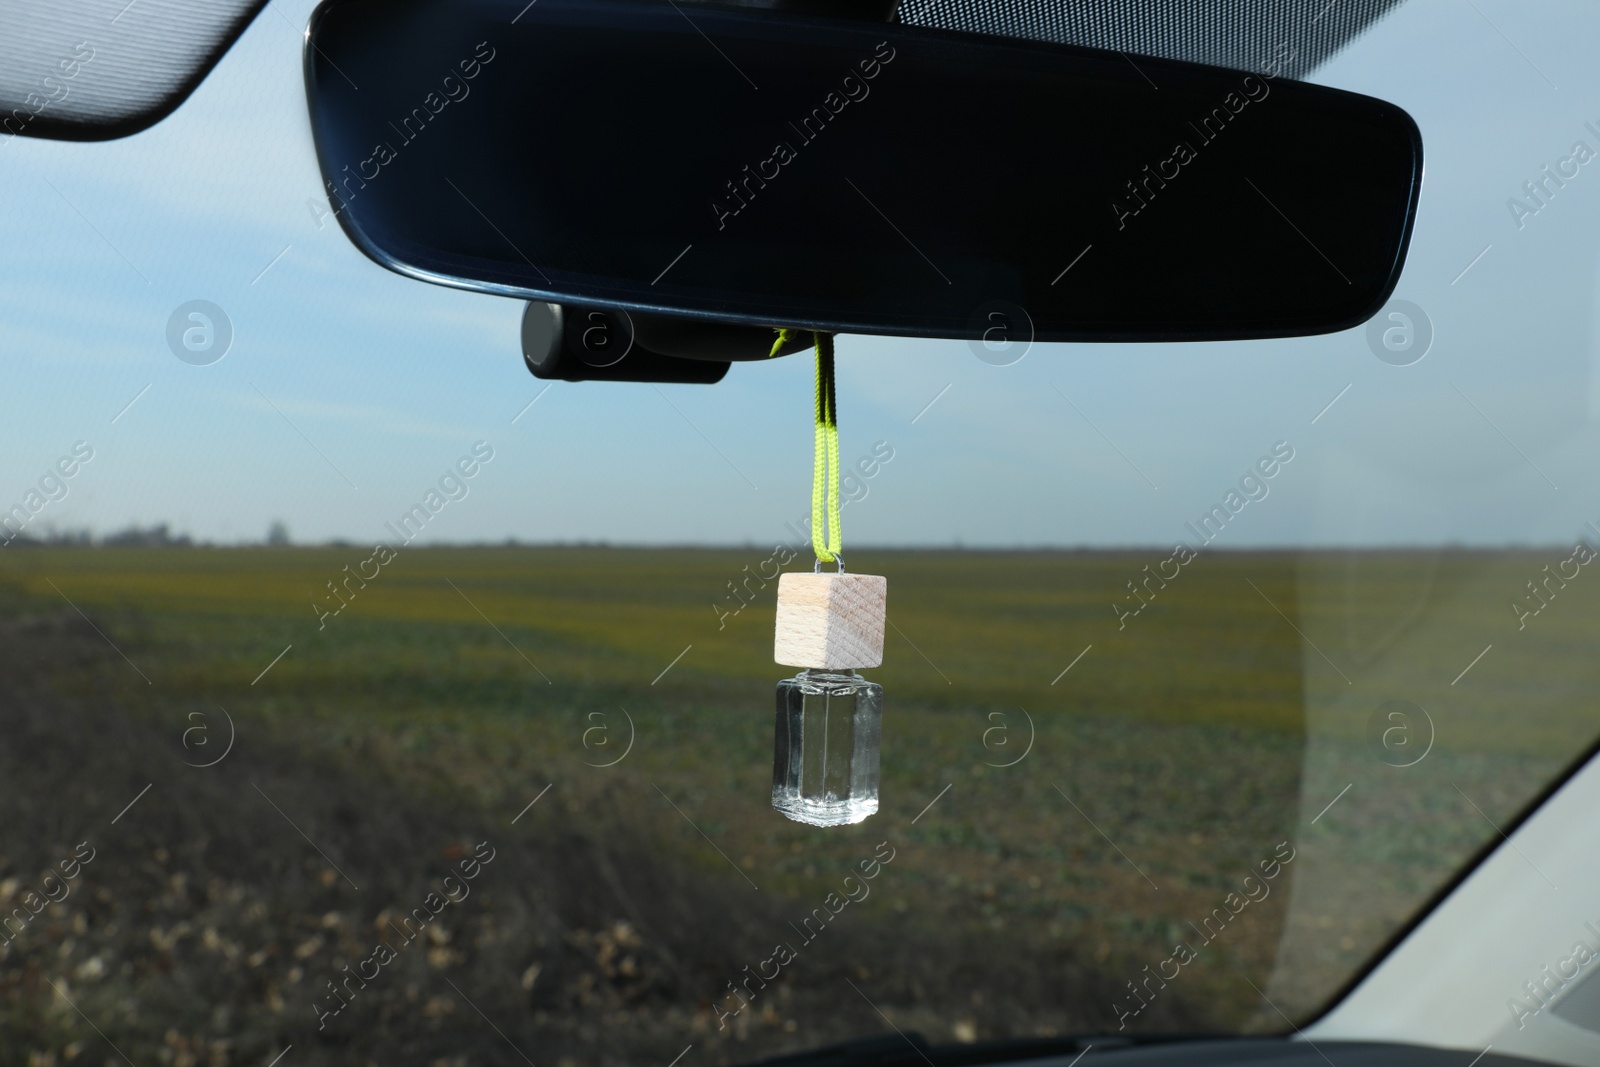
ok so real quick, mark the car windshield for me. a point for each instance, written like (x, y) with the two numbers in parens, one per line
(368, 700)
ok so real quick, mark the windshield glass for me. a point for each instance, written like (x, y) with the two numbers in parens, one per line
(368, 697)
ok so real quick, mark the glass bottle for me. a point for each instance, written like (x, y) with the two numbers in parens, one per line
(825, 759)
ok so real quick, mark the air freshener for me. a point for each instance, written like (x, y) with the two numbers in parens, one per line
(825, 767)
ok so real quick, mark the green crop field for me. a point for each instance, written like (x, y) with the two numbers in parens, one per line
(1081, 819)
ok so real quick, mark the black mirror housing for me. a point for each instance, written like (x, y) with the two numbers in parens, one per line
(764, 169)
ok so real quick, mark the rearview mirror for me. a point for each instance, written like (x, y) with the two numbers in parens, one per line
(767, 169)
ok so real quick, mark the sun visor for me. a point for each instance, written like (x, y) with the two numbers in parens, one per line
(93, 70)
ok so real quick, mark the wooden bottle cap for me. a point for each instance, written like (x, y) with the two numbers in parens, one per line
(830, 621)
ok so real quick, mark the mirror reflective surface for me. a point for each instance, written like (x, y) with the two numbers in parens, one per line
(782, 170)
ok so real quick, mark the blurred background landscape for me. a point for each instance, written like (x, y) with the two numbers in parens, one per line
(1151, 768)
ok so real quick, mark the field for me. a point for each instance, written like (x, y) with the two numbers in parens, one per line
(1051, 832)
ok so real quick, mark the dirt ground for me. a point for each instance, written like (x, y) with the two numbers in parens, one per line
(208, 928)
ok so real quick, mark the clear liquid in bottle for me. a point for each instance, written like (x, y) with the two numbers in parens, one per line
(826, 753)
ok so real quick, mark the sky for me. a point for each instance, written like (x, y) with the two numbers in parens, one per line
(348, 391)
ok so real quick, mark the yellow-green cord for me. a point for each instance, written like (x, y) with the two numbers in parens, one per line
(825, 464)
